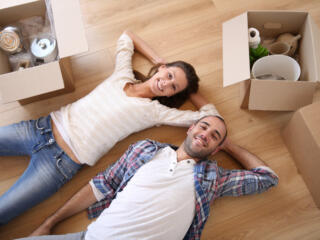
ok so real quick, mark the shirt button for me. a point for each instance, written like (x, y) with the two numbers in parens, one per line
(171, 170)
(51, 141)
(188, 161)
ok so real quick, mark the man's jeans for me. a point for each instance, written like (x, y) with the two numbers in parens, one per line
(48, 170)
(70, 236)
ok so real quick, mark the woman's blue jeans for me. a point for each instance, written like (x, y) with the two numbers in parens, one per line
(48, 170)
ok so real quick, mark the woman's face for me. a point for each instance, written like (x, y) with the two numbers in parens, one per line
(168, 81)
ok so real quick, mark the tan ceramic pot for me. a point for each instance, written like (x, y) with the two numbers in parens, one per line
(291, 40)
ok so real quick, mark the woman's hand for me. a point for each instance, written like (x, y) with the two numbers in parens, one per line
(160, 61)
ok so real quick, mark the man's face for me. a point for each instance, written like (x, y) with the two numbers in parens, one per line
(204, 137)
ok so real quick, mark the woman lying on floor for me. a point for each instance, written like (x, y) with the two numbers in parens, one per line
(83, 131)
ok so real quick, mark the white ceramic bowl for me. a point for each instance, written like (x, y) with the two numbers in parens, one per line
(277, 65)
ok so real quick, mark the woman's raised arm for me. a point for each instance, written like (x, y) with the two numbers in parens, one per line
(198, 100)
(142, 47)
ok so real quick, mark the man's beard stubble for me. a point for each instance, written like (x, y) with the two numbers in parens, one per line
(198, 155)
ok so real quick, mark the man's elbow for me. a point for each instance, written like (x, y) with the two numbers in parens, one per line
(267, 183)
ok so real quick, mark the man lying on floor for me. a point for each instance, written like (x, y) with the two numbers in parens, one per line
(158, 191)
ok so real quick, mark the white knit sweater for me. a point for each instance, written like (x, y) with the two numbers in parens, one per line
(92, 125)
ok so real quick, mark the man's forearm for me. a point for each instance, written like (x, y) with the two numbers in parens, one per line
(80, 201)
(247, 159)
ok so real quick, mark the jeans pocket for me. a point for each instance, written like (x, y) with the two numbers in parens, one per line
(65, 176)
(64, 169)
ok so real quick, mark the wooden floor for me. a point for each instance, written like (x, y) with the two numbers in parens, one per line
(190, 30)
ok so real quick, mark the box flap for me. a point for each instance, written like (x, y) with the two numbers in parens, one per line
(276, 95)
(302, 137)
(236, 64)
(11, 12)
(271, 23)
(31, 82)
(316, 37)
(311, 115)
(12, 3)
(68, 27)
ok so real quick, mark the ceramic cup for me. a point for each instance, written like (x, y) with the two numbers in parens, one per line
(291, 40)
(279, 66)
(280, 48)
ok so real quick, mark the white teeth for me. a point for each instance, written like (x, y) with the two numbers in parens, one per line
(158, 84)
(201, 141)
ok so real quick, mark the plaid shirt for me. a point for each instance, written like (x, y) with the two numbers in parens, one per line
(210, 182)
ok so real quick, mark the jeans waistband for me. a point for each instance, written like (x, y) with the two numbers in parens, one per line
(43, 125)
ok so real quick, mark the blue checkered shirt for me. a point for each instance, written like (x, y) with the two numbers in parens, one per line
(210, 182)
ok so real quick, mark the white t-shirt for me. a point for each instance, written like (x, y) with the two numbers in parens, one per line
(157, 203)
(92, 125)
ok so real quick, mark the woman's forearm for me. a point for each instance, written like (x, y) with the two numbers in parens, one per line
(142, 47)
(198, 100)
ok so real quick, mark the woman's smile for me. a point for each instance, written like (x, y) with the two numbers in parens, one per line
(159, 85)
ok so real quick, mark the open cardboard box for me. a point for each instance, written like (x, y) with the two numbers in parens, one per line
(302, 137)
(276, 95)
(55, 76)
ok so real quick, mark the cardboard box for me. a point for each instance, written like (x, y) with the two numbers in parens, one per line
(53, 76)
(302, 137)
(276, 95)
